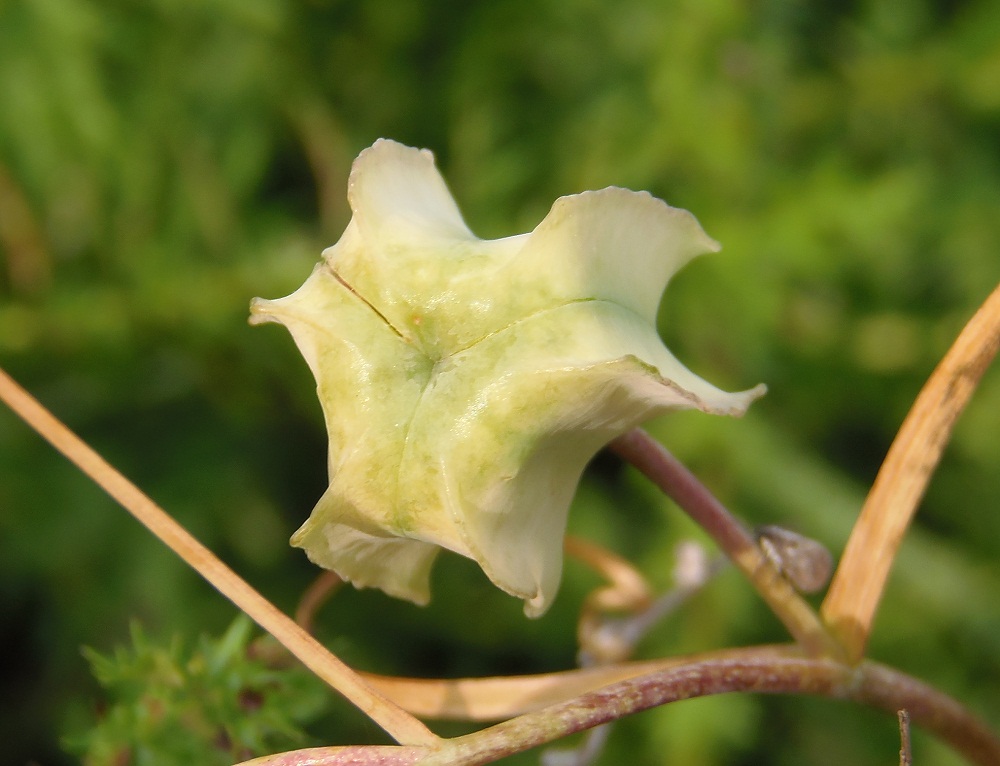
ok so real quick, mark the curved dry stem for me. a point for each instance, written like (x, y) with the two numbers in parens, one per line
(498, 698)
(850, 604)
(350, 755)
(627, 589)
(319, 591)
(678, 483)
(396, 721)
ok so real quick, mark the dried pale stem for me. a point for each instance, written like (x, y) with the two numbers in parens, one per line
(671, 476)
(498, 698)
(905, 750)
(350, 755)
(627, 632)
(614, 618)
(626, 590)
(397, 722)
(857, 587)
(317, 594)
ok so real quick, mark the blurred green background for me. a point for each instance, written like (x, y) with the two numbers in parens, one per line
(161, 163)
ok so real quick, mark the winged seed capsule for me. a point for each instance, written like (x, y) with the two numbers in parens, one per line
(465, 383)
(805, 563)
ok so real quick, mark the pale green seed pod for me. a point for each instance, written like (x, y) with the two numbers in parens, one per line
(466, 383)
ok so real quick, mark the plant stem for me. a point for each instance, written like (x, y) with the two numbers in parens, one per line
(318, 592)
(348, 755)
(869, 683)
(850, 604)
(677, 482)
(494, 699)
(397, 722)
(905, 750)
(885, 688)
(772, 672)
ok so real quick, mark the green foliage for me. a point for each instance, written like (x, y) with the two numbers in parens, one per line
(163, 162)
(216, 703)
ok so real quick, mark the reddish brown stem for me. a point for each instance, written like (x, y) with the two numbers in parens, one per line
(869, 683)
(678, 483)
